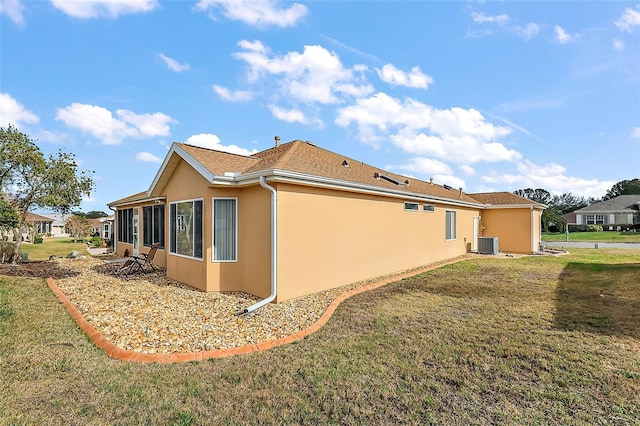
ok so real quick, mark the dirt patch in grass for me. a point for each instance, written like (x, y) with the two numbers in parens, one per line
(37, 268)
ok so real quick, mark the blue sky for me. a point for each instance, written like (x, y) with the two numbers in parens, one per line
(480, 95)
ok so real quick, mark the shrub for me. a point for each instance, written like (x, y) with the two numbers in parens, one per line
(6, 251)
(38, 240)
(594, 228)
(96, 241)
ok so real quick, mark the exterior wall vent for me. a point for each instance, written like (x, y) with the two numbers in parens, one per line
(488, 245)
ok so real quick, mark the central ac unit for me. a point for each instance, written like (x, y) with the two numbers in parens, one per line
(488, 245)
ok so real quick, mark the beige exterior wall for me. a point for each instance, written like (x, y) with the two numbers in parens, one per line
(514, 228)
(160, 258)
(330, 238)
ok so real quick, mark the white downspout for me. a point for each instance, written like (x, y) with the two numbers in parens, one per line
(114, 236)
(274, 252)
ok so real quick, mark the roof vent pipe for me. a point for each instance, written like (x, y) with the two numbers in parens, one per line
(431, 181)
(460, 192)
(277, 138)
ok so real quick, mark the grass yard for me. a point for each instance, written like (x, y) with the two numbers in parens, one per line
(57, 246)
(534, 340)
(611, 236)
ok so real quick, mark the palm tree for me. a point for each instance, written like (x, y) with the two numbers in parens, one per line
(553, 216)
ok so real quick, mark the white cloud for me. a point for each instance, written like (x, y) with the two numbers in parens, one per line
(290, 116)
(148, 157)
(237, 96)
(103, 8)
(211, 141)
(552, 177)
(618, 44)
(456, 134)
(467, 170)
(630, 18)
(13, 112)
(172, 64)
(262, 13)
(13, 9)
(635, 133)
(481, 18)
(102, 124)
(563, 37)
(424, 166)
(314, 76)
(527, 32)
(415, 78)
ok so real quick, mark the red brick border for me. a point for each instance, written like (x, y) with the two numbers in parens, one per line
(113, 351)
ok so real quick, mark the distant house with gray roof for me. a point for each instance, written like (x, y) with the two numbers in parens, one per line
(617, 213)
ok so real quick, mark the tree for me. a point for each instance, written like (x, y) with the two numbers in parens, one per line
(553, 215)
(78, 226)
(8, 218)
(538, 195)
(29, 179)
(568, 202)
(624, 187)
(94, 214)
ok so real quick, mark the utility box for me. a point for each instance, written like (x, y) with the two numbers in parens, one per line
(24, 257)
(488, 245)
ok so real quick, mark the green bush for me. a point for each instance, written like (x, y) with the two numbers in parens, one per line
(38, 240)
(96, 241)
(6, 251)
(585, 228)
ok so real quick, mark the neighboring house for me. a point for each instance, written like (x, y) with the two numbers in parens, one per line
(297, 219)
(95, 226)
(59, 226)
(618, 213)
(570, 218)
(106, 227)
(36, 224)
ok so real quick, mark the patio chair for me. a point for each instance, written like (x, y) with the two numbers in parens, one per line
(142, 262)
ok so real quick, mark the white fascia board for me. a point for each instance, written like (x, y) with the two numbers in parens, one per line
(140, 200)
(176, 149)
(285, 176)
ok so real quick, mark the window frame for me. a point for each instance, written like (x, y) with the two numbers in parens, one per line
(213, 230)
(157, 234)
(450, 225)
(124, 233)
(411, 203)
(173, 247)
(428, 208)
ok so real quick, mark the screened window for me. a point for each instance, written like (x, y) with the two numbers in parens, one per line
(450, 225)
(225, 229)
(153, 223)
(186, 228)
(429, 208)
(595, 219)
(411, 206)
(125, 226)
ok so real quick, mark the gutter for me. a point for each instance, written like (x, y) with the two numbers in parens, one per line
(274, 252)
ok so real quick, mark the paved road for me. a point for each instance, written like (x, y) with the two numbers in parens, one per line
(579, 244)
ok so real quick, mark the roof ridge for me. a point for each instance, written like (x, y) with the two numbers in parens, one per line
(252, 156)
(284, 159)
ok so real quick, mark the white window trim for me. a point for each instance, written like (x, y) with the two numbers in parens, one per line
(455, 225)
(201, 259)
(213, 215)
(417, 209)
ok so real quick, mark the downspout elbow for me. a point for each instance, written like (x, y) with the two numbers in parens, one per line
(274, 252)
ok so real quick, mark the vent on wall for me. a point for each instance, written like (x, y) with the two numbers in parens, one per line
(488, 245)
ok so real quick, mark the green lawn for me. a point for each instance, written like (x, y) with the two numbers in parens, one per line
(57, 246)
(533, 340)
(614, 237)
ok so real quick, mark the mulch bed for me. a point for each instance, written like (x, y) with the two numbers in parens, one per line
(39, 269)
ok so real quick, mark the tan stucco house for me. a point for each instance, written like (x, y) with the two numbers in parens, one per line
(296, 219)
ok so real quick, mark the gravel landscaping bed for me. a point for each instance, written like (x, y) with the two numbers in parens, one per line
(150, 313)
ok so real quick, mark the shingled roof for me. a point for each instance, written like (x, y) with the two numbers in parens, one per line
(502, 199)
(308, 159)
(305, 159)
(619, 204)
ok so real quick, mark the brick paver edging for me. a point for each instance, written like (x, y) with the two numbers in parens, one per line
(113, 351)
